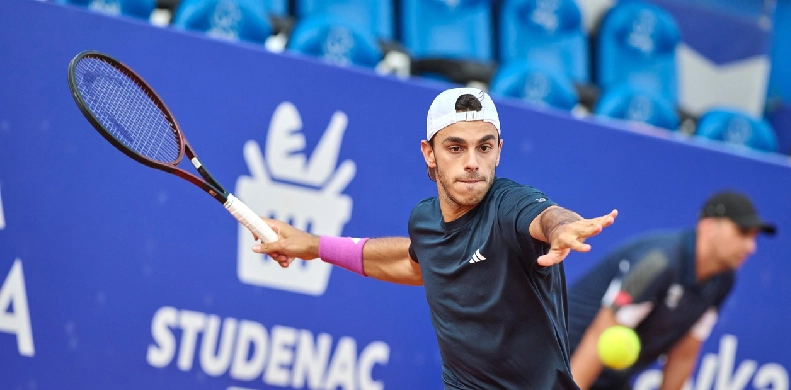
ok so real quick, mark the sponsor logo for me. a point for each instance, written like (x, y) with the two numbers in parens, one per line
(307, 194)
(477, 256)
(247, 351)
(16, 321)
(719, 371)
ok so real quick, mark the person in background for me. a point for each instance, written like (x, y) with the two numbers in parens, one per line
(668, 287)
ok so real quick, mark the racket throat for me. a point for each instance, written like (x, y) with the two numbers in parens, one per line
(206, 175)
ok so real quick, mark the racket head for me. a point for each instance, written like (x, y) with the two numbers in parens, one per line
(125, 110)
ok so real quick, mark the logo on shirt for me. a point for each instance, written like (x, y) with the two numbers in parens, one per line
(476, 257)
(622, 298)
(674, 294)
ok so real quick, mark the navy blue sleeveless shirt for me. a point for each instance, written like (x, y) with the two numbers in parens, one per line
(500, 318)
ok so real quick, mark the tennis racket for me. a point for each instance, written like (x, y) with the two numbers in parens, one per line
(127, 112)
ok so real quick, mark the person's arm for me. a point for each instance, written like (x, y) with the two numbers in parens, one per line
(388, 259)
(682, 357)
(585, 362)
(645, 280)
(680, 362)
(385, 259)
(564, 230)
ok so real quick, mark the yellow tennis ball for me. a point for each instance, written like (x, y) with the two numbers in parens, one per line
(618, 347)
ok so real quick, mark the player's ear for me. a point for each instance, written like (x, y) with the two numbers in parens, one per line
(499, 149)
(428, 154)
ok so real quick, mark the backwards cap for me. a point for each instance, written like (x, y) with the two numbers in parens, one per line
(442, 112)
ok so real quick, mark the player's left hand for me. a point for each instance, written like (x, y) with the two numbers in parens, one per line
(572, 236)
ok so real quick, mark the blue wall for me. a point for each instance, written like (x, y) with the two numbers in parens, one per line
(780, 82)
(114, 275)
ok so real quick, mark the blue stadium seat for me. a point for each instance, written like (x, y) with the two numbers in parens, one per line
(276, 7)
(638, 105)
(737, 127)
(548, 32)
(535, 84)
(234, 20)
(637, 46)
(136, 8)
(376, 16)
(779, 117)
(459, 29)
(335, 41)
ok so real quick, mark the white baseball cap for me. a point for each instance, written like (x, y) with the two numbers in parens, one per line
(442, 112)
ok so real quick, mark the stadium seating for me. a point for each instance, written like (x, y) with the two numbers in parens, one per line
(536, 84)
(279, 8)
(547, 32)
(136, 8)
(637, 46)
(779, 117)
(233, 20)
(638, 105)
(447, 28)
(449, 37)
(335, 41)
(736, 127)
(375, 16)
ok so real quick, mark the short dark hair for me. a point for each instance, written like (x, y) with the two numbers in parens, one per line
(468, 102)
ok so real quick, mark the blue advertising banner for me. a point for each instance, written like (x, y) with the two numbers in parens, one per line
(116, 276)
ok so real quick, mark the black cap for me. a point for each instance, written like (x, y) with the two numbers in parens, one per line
(738, 208)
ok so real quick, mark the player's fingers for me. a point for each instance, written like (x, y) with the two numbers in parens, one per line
(282, 229)
(269, 247)
(609, 219)
(574, 243)
(281, 259)
(591, 227)
(545, 261)
(552, 257)
(586, 228)
(580, 247)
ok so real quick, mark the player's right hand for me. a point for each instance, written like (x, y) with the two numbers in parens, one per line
(291, 244)
(572, 236)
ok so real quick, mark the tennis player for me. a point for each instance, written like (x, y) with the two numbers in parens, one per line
(486, 249)
(668, 286)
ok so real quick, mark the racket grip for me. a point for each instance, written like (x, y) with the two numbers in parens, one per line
(250, 219)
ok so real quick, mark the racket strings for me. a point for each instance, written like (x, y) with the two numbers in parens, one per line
(127, 111)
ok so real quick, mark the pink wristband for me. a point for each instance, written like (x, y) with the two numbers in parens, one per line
(345, 252)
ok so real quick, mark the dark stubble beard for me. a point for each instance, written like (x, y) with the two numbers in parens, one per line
(447, 183)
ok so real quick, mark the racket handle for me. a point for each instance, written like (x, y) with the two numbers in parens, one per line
(250, 219)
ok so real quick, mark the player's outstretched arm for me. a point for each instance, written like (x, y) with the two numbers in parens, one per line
(565, 231)
(380, 258)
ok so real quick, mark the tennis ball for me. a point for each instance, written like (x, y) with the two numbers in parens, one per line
(618, 347)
